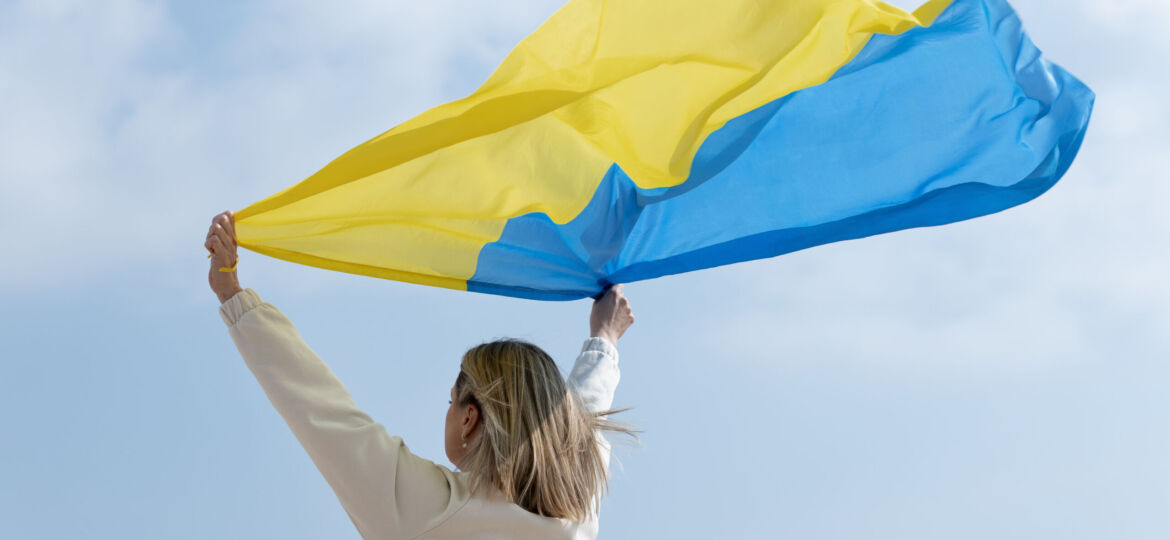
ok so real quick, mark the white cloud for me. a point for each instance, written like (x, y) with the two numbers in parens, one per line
(1131, 111)
(125, 130)
(1122, 14)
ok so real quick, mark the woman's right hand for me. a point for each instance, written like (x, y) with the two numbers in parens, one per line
(221, 242)
(611, 315)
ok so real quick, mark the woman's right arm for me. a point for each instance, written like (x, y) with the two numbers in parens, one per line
(595, 374)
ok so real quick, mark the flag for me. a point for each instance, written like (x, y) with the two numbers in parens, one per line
(623, 141)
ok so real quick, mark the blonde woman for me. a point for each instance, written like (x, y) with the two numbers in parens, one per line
(532, 462)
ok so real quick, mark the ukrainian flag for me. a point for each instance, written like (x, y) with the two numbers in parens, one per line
(628, 140)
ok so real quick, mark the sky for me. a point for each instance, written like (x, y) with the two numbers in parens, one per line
(1004, 377)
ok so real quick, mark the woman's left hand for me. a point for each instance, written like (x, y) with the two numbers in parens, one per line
(221, 242)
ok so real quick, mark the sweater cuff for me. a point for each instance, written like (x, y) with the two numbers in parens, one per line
(601, 345)
(236, 306)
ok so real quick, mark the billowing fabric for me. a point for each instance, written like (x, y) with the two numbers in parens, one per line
(628, 140)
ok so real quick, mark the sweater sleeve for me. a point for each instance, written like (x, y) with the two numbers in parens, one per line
(367, 468)
(595, 374)
(594, 379)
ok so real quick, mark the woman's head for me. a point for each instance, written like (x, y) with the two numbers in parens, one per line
(514, 425)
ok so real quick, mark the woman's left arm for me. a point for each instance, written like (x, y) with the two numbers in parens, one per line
(366, 467)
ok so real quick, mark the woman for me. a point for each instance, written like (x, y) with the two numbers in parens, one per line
(528, 445)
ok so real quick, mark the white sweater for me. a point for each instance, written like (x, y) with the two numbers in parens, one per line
(387, 491)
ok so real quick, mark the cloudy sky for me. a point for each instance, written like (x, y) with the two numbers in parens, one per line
(1004, 377)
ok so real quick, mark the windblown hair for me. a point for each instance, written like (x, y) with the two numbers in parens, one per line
(537, 444)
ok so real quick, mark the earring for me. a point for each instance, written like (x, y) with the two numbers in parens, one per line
(464, 437)
(465, 445)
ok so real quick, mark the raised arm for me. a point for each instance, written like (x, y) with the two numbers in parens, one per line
(595, 374)
(366, 467)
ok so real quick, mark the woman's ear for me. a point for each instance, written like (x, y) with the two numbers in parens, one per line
(470, 420)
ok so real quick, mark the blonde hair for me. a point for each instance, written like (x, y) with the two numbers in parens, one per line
(537, 444)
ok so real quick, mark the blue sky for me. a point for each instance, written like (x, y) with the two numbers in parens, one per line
(1002, 378)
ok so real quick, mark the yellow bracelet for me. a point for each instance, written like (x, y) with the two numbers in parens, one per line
(224, 268)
